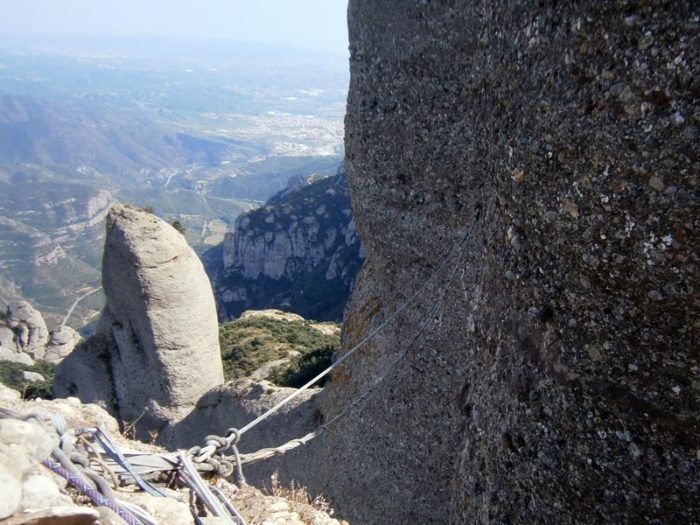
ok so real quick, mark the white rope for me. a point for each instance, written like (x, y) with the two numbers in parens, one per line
(194, 481)
(266, 453)
(366, 339)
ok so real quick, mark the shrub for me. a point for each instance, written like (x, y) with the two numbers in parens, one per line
(178, 226)
(305, 368)
(247, 344)
(299, 498)
(11, 375)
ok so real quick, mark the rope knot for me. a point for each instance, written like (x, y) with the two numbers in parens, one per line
(224, 468)
(233, 436)
(217, 441)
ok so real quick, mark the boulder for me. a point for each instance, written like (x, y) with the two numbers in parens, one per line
(11, 489)
(32, 334)
(8, 395)
(9, 350)
(24, 444)
(7, 354)
(32, 377)
(41, 491)
(71, 515)
(235, 404)
(168, 510)
(157, 350)
(8, 339)
(63, 342)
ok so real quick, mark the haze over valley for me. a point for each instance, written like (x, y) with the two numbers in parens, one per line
(199, 131)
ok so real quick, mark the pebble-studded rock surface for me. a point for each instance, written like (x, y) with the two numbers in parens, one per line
(559, 382)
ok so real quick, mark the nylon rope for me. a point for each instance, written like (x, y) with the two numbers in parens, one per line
(92, 493)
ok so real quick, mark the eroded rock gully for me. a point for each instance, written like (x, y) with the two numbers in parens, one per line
(559, 384)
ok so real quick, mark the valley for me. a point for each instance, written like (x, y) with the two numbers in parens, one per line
(198, 133)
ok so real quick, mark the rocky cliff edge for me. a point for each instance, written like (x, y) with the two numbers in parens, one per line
(32, 494)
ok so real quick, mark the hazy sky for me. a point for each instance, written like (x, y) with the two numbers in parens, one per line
(314, 24)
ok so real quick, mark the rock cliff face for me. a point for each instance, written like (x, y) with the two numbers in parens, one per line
(156, 350)
(300, 252)
(558, 384)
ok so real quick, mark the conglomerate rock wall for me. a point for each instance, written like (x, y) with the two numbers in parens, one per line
(558, 382)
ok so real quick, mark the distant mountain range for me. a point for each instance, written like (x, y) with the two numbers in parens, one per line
(62, 166)
(42, 132)
(199, 138)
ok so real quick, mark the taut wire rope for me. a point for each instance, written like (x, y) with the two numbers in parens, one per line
(366, 339)
(294, 443)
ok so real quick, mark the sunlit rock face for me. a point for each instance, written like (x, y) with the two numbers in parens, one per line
(63, 341)
(29, 327)
(558, 382)
(300, 252)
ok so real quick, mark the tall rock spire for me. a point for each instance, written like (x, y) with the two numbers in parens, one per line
(158, 336)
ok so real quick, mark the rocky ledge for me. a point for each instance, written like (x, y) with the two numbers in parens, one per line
(32, 494)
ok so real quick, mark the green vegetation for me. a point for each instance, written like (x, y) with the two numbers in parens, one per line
(305, 368)
(11, 375)
(178, 226)
(304, 348)
(248, 344)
